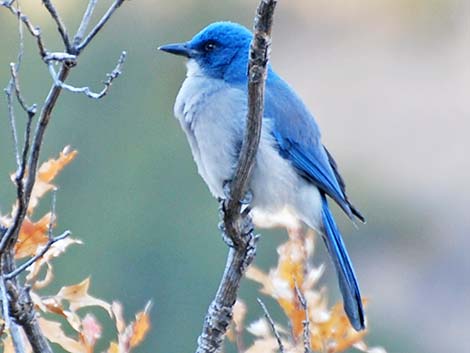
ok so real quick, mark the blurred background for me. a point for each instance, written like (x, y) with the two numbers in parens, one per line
(388, 82)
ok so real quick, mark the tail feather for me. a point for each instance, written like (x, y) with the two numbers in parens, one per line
(347, 279)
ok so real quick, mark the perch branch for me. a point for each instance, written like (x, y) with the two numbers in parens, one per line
(237, 225)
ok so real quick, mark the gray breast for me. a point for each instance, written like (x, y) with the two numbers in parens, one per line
(212, 115)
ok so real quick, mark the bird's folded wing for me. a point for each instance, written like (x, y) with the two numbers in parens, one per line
(298, 139)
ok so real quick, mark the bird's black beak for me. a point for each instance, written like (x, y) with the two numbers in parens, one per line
(177, 49)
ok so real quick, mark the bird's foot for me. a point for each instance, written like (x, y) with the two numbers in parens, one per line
(246, 225)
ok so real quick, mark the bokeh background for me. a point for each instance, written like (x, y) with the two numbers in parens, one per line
(389, 83)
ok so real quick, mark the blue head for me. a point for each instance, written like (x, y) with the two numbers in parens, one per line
(220, 51)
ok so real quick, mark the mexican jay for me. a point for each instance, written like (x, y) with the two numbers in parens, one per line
(293, 173)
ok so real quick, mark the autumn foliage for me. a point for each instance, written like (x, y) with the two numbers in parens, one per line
(69, 305)
(295, 279)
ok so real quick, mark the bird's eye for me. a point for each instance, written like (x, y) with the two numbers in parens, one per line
(209, 46)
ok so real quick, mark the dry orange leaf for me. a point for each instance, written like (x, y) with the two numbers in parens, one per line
(133, 334)
(46, 174)
(54, 333)
(140, 327)
(330, 330)
(49, 170)
(78, 297)
(113, 348)
(32, 235)
(116, 308)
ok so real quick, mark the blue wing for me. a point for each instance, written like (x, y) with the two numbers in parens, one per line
(298, 139)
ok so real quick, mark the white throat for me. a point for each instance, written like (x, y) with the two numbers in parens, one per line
(193, 69)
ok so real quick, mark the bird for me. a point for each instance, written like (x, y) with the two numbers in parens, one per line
(293, 173)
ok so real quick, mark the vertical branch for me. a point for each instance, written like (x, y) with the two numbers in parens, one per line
(237, 225)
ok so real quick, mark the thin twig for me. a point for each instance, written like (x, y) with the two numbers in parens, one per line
(53, 215)
(237, 225)
(33, 30)
(306, 322)
(84, 22)
(116, 4)
(30, 110)
(12, 121)
(60, 25)
(273, 326)
(36, 257)
(9, 90)
(86, 90)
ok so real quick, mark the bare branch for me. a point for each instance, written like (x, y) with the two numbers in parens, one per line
(60, 25)
(86, 90)
(31, 110)
(116, 4)
(12, 120)
(13, 83)
(84, 22)
(33, 30)
(237, 225)
(273, 326)
(306, 322)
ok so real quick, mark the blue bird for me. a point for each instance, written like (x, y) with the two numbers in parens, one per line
(293, 173)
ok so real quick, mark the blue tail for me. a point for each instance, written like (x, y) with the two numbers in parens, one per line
(347, 279)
